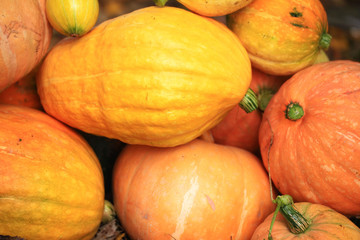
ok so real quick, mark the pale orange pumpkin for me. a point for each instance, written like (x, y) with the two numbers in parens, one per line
(310, 136)
(199, 190)
(25, 36)
(51, 184)
(157, 80)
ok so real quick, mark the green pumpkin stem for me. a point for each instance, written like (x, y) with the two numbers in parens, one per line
(249, 102)
(325, 41)
(297, 223)
(294, 111)
(160, 3)
(264, 95)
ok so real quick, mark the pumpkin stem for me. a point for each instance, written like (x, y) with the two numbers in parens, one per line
(160, 3)
(294, 111)
(249, 102)
(325, 41)
(264, 95)
(297, 223)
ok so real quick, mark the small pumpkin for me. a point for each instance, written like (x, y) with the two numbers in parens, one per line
(51, 184)
(23, 92)
(25, 36)
(72, 17)
(282, 36)
(198, 190)
(156, 81)
(310, 136)
(241, 129)
(214, 8)
(304, 220)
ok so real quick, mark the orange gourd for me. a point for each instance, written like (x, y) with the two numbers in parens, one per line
(51, 184)
(304, 220)
(25, 36)
(310, 136)
(282, 36)
(23, 92)
(157, 80)
(199, 190)
(241, 129)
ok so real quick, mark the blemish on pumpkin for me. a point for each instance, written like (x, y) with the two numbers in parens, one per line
(298, 25)
(295, 13)
(211, 202)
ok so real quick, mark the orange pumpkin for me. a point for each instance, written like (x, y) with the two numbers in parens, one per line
(199, 190)
(157, 80)
(304, 220)
(310, 136)
(241, 129)
(23, 92)
(51, 184)
(25, 36)
(282, 36)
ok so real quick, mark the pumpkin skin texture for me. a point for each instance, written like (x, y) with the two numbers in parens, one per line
(281, 36)
(155, 82)
(25, 36)
(241, 129)
(316, 158)
(325, 223)
(72, 17)
(214, 8)
(23, 92)
(199, 190)
(51, 184)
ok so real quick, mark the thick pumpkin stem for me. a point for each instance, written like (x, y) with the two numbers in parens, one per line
(249, 102)
(294, 111)
(264, 96)
(297, 223)
(325, 41)
(160, 3)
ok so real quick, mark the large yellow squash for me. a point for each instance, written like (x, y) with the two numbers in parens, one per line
(158, 76)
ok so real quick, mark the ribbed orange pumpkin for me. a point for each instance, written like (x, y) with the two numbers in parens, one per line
(310, 136)
(23, 92)
(51, 184)
(303, 220)
(282, 36)
(25, 36)
(241, 129)
(199, 190)
(157, 80)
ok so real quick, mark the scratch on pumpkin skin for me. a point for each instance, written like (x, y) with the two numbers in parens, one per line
(268, 157)
(8, 56)
(187, 204)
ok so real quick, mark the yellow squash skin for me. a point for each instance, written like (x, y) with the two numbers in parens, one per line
(214, 8)
(51, 182)
(72, 17)
(147, 77)
(281, 36)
